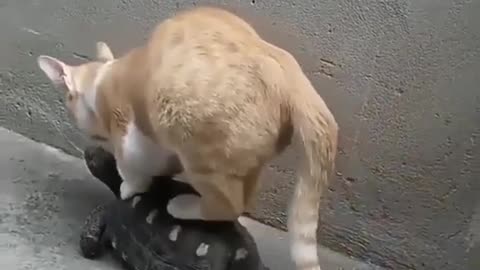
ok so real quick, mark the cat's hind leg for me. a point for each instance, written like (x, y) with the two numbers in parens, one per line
(222, 197)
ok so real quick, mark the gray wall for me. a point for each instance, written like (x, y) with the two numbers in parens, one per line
(402, 78)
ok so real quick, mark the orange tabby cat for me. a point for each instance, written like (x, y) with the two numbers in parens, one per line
(208, 96)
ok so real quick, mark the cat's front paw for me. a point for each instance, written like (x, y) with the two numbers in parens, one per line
(127, 190)
(185, 206)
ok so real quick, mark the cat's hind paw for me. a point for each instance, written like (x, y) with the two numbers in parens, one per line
(127, 190)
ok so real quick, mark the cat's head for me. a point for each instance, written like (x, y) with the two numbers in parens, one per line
(79, 84)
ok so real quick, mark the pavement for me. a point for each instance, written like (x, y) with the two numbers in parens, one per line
(46, 194)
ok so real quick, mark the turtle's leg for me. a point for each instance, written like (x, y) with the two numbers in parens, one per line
(91, 237)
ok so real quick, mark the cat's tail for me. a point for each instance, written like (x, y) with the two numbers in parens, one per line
(316, 128)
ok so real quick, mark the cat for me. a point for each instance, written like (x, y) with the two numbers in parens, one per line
(206, 95)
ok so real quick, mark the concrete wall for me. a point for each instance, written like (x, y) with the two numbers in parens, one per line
(402, 78)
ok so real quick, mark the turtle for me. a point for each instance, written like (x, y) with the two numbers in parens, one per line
(142, 234)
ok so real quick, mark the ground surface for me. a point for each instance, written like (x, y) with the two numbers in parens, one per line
(401, 76)
(45, 196)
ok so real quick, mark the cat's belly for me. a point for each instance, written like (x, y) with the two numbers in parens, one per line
(143, 155)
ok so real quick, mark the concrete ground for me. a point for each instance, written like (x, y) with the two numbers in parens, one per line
(401, 77)
(45, 195)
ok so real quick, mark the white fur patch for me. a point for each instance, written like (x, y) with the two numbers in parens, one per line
(142, 154)
(136, 200)
(174, 233)
(124, 256)
(127, 189)
(151, 216)
(202, 250)
(306, 229)
(241, 253)
(303, 253)
(83, 115)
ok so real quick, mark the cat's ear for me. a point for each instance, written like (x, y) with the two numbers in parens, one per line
(58, 72)
(104, 53)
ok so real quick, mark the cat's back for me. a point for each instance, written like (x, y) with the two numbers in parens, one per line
(207, 32)
(202, 52)
(223, 20)
(210, 56)
(194, 23)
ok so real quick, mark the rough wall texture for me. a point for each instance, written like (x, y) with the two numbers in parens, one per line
(400, 76)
